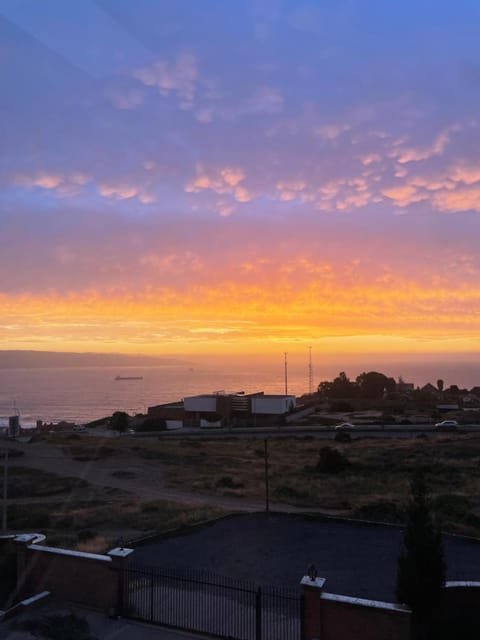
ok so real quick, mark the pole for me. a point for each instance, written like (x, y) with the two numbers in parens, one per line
(5, 491)
(267, 495)
(310, 371)
(286, 374)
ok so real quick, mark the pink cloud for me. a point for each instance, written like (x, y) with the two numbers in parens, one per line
(179, 76)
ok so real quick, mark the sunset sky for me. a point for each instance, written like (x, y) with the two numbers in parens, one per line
(245, 176)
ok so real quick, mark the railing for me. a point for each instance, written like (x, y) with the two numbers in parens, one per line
(206, 603)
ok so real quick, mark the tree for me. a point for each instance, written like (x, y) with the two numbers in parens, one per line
(119, 421)
(440, 385)
(421, 564)
(373, 384)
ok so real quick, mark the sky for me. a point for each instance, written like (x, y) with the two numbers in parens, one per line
(250, 176)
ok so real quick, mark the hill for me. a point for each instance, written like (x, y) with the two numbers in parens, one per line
(49, 359)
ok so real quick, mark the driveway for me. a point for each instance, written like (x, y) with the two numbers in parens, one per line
(356, 559)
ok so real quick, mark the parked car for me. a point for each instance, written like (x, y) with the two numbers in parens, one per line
(345, 426)
(446, 425)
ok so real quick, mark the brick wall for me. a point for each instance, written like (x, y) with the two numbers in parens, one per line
(343, 618)
(330, 616)
(82, 578)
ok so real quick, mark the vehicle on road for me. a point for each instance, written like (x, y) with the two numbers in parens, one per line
(345, 426)
(446, 425)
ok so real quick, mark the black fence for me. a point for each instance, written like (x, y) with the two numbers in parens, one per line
(206, 603)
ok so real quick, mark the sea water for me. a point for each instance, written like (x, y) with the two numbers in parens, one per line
(87, 393)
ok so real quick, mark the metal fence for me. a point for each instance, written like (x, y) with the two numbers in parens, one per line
(206, 603)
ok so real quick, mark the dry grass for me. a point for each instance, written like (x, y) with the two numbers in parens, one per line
(374, 485)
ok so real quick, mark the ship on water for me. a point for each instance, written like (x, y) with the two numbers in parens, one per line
(128, 378)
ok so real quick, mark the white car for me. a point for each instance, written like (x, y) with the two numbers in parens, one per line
(345, 426)
(446, 425)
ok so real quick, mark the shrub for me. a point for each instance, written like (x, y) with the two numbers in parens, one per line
(380, 511)
(342, 436)
(331, 461)
(86, 534)
(341, 405)
(153, 424)
(61, 627)
(228, 482)
(285, 492)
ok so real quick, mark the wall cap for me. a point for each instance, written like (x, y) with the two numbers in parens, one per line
(456, 583)
(314, 584)
(69, 552)
(119, 552)
(362, 602)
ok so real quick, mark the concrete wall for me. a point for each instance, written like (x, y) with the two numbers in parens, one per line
(273, 405)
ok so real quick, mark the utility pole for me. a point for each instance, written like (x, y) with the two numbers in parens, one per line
(310, 371)
(5, 491)
(286, 374)
(267, 494)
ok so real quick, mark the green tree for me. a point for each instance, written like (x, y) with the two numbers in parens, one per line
(119, 421)
(421, 564)
(440, 385)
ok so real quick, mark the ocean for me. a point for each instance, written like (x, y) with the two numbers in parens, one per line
(87, 393)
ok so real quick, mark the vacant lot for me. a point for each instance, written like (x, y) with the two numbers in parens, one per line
(133, 485)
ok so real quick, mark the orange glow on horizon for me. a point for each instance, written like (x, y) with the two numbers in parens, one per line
(248, 319)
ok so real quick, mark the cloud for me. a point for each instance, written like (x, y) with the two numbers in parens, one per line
(404, 195)
(461, 199)
(124, 191)
(405, 154)
(41, 179)
(290, 189)
(466, 174)
(331, 131)
(128, 99)
(179, 77)
(225, 180)
(369, 158)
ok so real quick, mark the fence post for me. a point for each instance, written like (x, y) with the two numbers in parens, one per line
(152, 599)
(119, 557)
(311, 624)
(258, 614)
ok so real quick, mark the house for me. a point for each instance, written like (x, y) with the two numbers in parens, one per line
(238, 410)
(220, 409)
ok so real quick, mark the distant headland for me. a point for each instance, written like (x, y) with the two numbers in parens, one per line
(18, 359)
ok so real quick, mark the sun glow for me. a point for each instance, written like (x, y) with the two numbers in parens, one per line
(240, 319)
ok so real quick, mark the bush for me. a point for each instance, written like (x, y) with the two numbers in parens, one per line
(228, 482)
(60, 627)
(86, 534)
(285, 492)
(331, 461)
(342, 436)
(153, 424)
(341, 405)
(380, 511)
